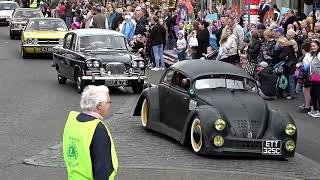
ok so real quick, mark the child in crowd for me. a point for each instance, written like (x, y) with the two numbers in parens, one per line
(210, 53)
(181, 46)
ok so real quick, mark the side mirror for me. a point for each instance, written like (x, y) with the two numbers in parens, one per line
(186, 83)
(147, 85)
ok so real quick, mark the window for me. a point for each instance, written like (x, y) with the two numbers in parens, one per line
(73, 46)
(167, 78)
(177, 81)
(67, 41)
(46, 25)
(102, 42)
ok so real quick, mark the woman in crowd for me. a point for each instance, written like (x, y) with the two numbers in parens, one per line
(288, 55)
(228, 46)
(254, 47)
(266, 52)
(315, 78)
(203, 38)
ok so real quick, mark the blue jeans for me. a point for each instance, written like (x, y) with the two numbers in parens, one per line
(68, 21)
(170, 44)
(158, 55)
(182, 55)
(292, 85)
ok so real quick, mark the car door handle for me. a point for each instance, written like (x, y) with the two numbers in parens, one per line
(186, 98)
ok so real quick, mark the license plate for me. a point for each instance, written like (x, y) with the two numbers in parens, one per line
(271, 147)
(116, 82)
(46, 49)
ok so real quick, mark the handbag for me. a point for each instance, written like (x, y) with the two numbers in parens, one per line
(315, 77)
(250, 68)
(193, 41)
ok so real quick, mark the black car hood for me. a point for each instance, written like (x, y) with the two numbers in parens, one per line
(111, 56)
(245, 111)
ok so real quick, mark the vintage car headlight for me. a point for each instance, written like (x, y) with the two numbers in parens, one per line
(134, 64)
(32, 41)
(218, 141)
(219, 124)
(60, 41)
(96, 63)
(141, 64)
(290, 129)
(290, 145)
(89, 63)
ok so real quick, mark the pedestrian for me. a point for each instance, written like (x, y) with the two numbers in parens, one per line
(315, 78)
(157, 36)
(68, 14)
(128, 27)
(181, 46)
(98, 19)
(88, 148)
(306, 76)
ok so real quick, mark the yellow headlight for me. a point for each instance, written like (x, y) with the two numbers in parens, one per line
(218, 141)
(220, 124)
(290, 145)
(290, 129)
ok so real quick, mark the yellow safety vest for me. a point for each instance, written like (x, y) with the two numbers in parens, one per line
(77, 137)
(33, 4)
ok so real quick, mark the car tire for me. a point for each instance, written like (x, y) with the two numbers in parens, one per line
(138, 87)
(11, 35)
(196, 135)
(61, 79)
(24, 55)
(144, 113)
(79, 82)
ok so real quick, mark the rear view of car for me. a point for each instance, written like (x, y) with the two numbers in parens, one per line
(20, 18)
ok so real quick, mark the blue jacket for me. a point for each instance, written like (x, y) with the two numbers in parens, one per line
(128, 29)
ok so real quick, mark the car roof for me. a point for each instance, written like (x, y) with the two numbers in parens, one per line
(94, 31)
(48, 18)
(12, 2)
(27, 9)
(193, 69)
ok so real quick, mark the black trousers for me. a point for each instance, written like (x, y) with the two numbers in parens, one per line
(315, 95)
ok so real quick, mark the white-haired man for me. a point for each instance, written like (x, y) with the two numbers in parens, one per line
(88, 148)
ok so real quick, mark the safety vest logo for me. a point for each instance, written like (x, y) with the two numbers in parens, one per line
(72, 155)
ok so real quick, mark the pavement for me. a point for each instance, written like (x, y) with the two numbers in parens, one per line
(33, 110)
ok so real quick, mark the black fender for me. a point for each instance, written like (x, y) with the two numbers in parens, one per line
(152, 96)
(207, 115)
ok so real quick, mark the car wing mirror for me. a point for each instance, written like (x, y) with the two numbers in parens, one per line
(186, 83)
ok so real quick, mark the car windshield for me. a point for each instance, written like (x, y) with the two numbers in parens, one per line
(230, 82)
(27, 14)
(8, 6)
(46, 25)
(102, 42)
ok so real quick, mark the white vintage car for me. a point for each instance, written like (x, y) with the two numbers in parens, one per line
(6, 10)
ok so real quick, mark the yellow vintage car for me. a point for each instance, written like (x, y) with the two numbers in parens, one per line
(41, 35)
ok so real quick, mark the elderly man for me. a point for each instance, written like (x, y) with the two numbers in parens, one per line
(88, 148)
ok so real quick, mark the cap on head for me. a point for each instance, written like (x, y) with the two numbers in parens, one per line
(263, 64)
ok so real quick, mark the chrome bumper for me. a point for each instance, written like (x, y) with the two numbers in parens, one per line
(95, 77)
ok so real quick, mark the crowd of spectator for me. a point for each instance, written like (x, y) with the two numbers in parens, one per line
(281, 52)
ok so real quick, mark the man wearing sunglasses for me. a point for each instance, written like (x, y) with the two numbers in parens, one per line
(88, 148)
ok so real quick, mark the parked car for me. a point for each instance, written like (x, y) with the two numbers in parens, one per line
(20, 18)
(41, 35)
(6, 10)
(97, 56)
(215, 107)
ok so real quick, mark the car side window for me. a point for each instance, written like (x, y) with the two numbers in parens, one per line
(73, 44)
(67, 41)
(177, 80)
(167, 78)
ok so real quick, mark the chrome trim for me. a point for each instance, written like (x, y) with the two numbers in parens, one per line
(94, 77)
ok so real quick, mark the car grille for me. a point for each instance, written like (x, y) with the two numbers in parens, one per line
(248, 128)
(255, 146)
(115, 68)
(48, 41)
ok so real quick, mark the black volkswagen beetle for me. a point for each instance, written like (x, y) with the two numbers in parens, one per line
(216, 108)
(97, 56)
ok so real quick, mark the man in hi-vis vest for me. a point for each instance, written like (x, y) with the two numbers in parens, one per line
(88, 148)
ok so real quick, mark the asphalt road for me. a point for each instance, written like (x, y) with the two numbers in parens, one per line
(33, 108)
